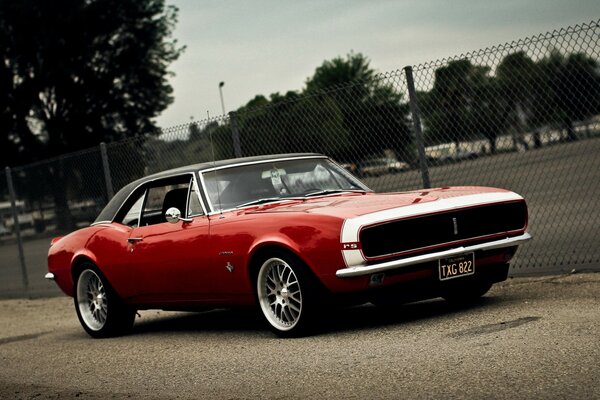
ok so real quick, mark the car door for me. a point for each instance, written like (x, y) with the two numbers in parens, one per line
(171, 260)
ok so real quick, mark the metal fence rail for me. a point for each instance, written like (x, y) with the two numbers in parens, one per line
(524, 116)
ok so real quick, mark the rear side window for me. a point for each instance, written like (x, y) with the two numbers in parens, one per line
(132, 216)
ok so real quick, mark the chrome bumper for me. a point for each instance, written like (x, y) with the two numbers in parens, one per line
(386, 266)
(49, 276)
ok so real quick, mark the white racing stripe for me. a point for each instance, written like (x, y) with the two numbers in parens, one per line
(352, 226)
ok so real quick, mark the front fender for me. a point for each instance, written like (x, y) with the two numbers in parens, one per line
(316, 243)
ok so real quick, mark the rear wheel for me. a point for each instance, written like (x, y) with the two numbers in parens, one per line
(99, 309)
(285, 294)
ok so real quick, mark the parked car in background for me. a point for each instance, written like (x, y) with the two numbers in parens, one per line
(381, 166)
(449, 152)
(459, 155)
(3, 230)
(291, 234)
(26, 220)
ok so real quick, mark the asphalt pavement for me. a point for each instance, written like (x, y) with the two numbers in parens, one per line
(527, 338)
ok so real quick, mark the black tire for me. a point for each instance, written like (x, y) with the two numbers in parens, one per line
(466, 294)
(287, 294)
(99, 309)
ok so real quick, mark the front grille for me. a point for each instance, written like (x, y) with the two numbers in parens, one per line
(431, 230)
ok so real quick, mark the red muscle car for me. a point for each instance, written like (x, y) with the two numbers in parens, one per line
(290, 233)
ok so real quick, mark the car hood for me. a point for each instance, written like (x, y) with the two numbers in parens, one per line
(350, 205)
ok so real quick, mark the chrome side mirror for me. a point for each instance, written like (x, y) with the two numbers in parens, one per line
(173, 215)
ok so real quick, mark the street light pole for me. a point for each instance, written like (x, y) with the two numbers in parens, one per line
(221, 84)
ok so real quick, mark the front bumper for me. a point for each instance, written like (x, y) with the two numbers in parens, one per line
(396, 264)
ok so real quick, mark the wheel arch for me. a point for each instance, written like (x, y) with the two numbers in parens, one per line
(77, 264)
(262, 250)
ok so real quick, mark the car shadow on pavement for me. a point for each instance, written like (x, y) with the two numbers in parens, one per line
(337, 320)
(368, 317)
(220, 320)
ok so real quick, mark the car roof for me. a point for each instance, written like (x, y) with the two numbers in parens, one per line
(113, 206)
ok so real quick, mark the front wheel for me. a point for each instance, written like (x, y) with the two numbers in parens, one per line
(99, 309)
(285, 295)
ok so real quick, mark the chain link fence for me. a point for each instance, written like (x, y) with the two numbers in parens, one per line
(523, 116)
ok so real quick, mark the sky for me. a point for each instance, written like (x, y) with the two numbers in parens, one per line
(267, 46)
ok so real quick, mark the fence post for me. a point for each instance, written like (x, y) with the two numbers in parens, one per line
(235, 134)
(15, 214)
(414, 109)
(106, 167)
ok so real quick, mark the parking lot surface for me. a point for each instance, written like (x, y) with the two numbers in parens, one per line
(527, 338)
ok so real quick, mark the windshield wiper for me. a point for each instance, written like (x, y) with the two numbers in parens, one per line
(260, 201)
(330, 191)
(316, 193)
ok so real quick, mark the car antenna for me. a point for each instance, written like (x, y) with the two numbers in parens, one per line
(212, 149)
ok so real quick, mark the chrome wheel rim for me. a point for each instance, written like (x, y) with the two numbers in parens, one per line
(92, 301)
(279, 294)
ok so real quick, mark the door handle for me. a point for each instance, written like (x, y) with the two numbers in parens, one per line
(134, 239)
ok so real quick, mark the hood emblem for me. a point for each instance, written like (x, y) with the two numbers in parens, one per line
(455, 223)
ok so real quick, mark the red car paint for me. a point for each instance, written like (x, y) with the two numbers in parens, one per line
(288, 233)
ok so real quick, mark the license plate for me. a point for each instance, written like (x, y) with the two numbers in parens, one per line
(457, 266)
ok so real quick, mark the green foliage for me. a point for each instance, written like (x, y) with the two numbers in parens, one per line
(75, 73)
(458, 103)
(345, 111)
(466, 102)
(340, 72)
(373, 111)
(289, 124)
(79, 72)
(574, 88)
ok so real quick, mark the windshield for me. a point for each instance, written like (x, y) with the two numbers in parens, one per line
(269, 181)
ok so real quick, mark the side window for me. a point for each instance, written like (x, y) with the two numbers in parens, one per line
(160, 198)
(132, 216)
(154, 200)
(149, 204)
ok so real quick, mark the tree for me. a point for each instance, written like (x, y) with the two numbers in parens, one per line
(291, 123)
(78, 72)
(525, 92)
(373, 113)
(351, 75)
(458, 105)
(345, 111)
(574, 88)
